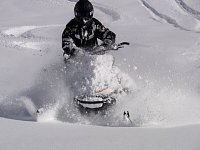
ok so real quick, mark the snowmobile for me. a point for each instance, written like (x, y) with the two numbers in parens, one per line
(103, 98)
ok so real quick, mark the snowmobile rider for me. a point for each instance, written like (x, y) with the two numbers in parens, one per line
(84, 30)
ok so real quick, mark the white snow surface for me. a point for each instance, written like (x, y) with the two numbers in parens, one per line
(156, 78)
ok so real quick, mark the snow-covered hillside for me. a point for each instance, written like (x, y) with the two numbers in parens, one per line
(161, 70)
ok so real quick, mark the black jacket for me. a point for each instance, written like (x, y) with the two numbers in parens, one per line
(85, 36)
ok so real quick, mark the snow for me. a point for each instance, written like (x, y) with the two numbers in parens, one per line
(68, 136)
(160, 69)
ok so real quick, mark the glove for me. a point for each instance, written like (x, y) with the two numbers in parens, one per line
(68, 44)
(107, 42)
(109, 45)
(66, 56)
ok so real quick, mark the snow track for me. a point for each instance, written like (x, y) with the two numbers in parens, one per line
(22, 37)
(188, 9)
(178, 15)
(22, 30)
(163, 17)
(108, 11)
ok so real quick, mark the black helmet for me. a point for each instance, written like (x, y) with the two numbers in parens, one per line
(83, 11)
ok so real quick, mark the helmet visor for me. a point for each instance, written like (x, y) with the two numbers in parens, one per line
(87, 15)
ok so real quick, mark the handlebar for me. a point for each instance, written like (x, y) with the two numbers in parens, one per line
(100, 49)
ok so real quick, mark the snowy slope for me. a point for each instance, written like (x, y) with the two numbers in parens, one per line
(160, 67)
(27, 135)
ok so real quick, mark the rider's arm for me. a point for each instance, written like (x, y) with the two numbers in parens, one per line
(104, 34)
(67, 41)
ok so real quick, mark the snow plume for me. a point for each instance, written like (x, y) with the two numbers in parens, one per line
(160, 106)
(59, 83)
(21, 108)
(92, 74)
(54, 89)
(153, 104)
